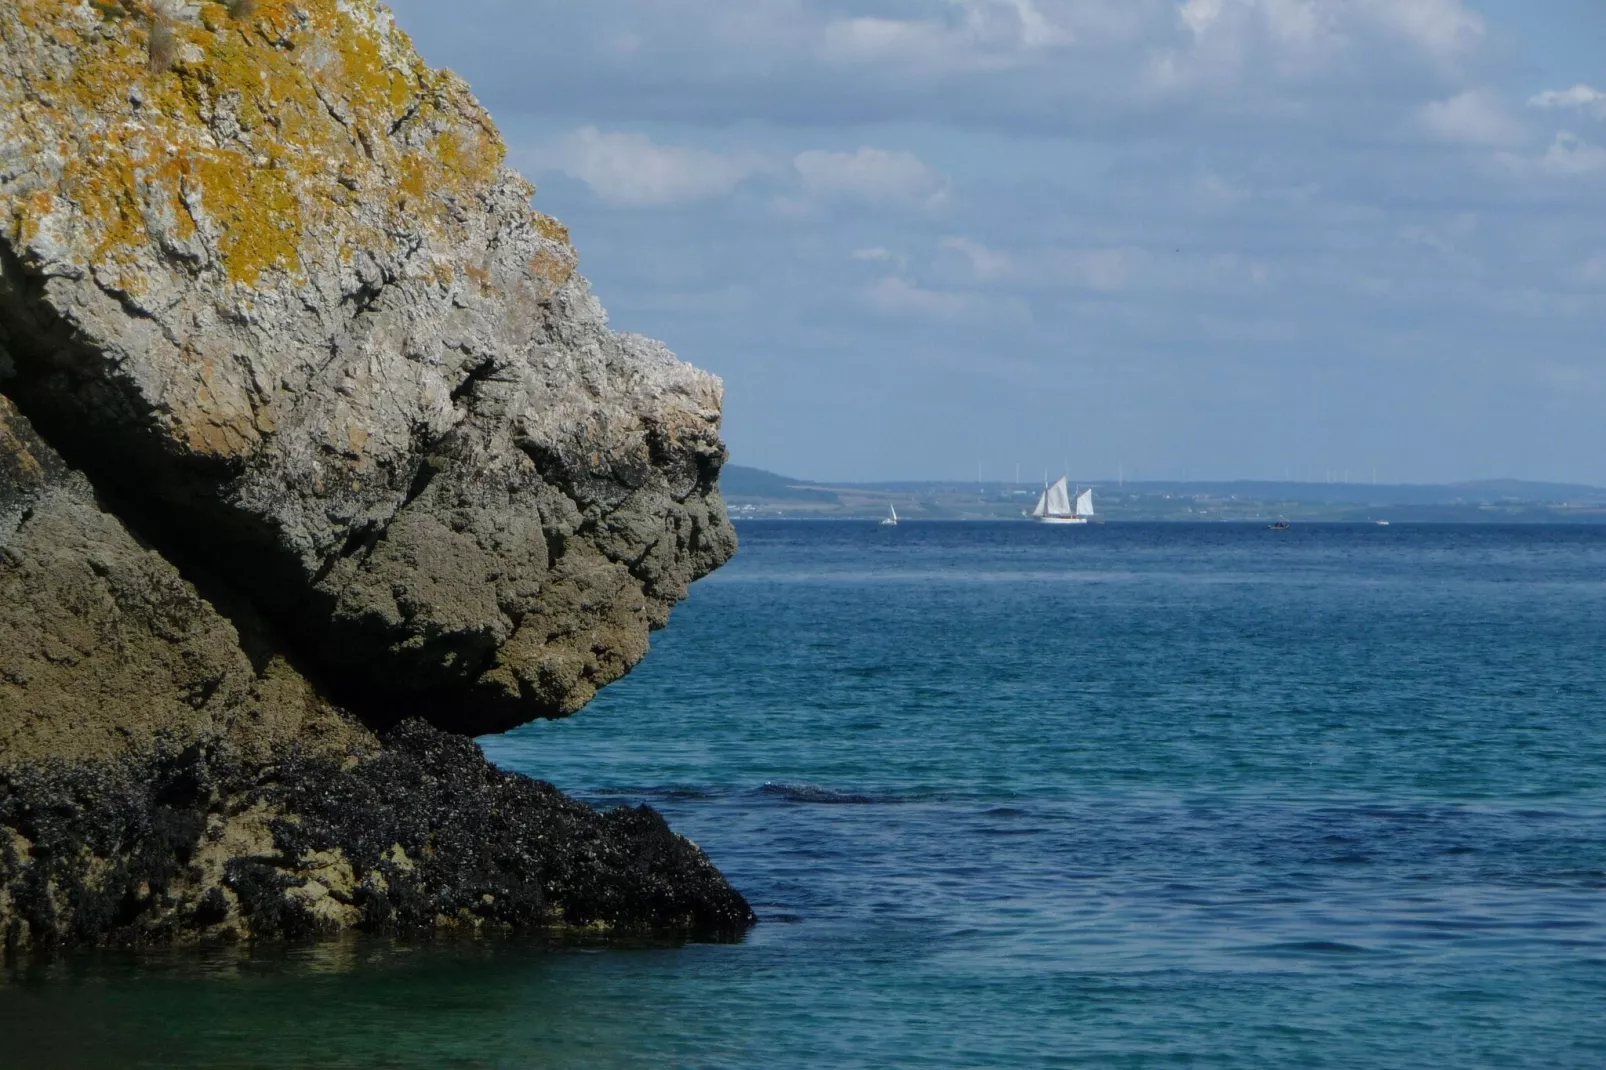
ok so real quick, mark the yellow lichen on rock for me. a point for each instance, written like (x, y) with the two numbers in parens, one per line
(553, 270)
(258, 213)
(254, 135)
(552, 230)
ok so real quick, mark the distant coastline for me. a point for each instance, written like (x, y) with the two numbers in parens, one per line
(755, 494)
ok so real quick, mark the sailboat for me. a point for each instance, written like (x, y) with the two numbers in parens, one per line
(891, 519)
(1055, 507)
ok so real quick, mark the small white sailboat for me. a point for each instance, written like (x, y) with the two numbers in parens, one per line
(891, 519)
(1055, 507)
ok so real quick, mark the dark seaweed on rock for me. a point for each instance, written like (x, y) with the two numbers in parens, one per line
(499, 848)
(199, 847)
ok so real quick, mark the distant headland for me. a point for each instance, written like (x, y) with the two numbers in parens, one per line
(752, 493)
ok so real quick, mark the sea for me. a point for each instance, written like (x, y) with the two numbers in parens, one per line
(1127, 795)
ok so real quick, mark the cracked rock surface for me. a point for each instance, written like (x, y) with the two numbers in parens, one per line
(316, 455)
(275, 284)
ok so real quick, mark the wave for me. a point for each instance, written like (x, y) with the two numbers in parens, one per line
(809, 793)
(672, 792)
(1308, 947)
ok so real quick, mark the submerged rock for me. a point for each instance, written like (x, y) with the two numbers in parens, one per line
(309, 427)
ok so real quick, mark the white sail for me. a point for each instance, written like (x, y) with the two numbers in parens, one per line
(1084, 503)
(1057, 499)
(894, 509)
(1042, 504)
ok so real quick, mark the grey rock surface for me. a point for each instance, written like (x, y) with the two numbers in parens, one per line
(105, 649)
(277, 290)
(166, 776)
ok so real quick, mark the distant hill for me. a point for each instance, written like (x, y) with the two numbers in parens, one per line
(1485, 491)
(738, 481)
(755, 493)
(1523, 490)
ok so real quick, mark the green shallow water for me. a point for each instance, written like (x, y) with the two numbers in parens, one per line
(1004, 795)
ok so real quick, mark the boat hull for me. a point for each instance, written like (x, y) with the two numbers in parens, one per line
(1062, 520)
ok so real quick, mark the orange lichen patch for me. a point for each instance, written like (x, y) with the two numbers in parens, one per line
(326, 91)
(28, 214)
(551, 229)
(258, 213)
(415, 175)
(553, 270)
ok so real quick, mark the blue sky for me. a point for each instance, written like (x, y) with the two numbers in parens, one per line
(1175, 238)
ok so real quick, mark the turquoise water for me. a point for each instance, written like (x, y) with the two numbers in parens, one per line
(1132, 795)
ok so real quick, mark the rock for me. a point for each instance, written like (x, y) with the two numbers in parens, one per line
(199, 847)
(316, 456)
(158, 783)
(105, 648)
(281, 291)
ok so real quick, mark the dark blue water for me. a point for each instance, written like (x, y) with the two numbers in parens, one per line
(1004, 795)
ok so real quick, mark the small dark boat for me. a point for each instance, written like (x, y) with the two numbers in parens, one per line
(1281, 525)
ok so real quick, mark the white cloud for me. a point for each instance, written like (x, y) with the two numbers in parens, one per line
(977, 35)
(1570, 156)
(880, 255)
(1289, 22)
(1100, 270)
(986, 264)
(1567, 157)
(1126, 269)
(1038, 30)
(1476, 117)
(877, 40)
(1446, 239)
(1256, 46)
(1443, 28)
(1438, 27)
(630, 169)
(1043, 65)
(899, 298)
(870, 174)
(1111, 270)
(1580, 97)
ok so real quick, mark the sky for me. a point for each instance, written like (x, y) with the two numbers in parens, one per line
(1150, 239)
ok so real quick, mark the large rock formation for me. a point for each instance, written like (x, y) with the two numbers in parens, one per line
(270, 275)
(309, 426)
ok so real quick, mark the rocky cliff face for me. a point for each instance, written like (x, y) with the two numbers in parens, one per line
(268, 274)
(309, 426)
